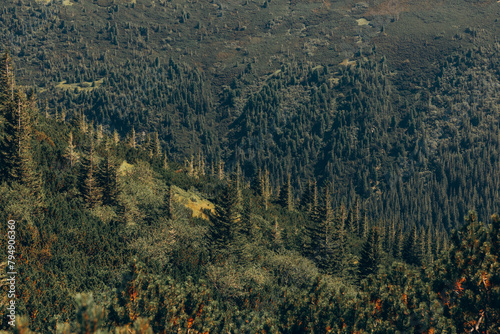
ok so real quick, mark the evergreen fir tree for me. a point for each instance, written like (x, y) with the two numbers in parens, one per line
(165, 161)
(220, 170)
(88, 179)
(236, 180)
(201, 168)
(224, 222)
(411, 250)
(257, 183)
(190, 166)
(108, 178)
(28, 173)
(306, 200)
(266, 190)
(370, 255)
(99, 134)
(116, 137)
(82, 123)
(156, 145)
(132, 140)
(322, 248)
(168, 203)
(70, 151)
(9, 157)
(17, 116)
(246, 219)
(286, 194)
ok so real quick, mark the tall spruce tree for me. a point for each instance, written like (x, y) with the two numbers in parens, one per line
(9, 161)
(70, 151)
(411, 250)
(286, 194)
(370, 255)
(306, 199)
(322, 249)
(314, 231)
(266, 188)
(224, 222)
(17, 115)
(108, 177)
(88, 178)
(156, 145)
(28, 173)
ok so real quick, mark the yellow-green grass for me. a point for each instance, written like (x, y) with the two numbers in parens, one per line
(193, 201)
(81, 86)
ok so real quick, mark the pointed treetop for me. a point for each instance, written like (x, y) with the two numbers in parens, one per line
(7, 82)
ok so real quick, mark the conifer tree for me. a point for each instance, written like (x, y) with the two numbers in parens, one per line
(132, 140)
(99, 134)
(265, 188)
(321, 247)
(277, 235)
(64, 113)
(165, 161)
(220, 170)
(70, 151)
(8, 110)
(410, 251)
(327, 221)
(257, 183)
(82, 123)
(354, 218)
(370, 255)
(397, 245)
(224, 222)
(236, 181)
(201, 168)
(342, 229)
(88, 179)
(246, 219)
(116, 137)
(156, 145)
(190, 166)
(17, 115)
(314, 230)
(28, 173)
(286, 194)
(168, 203)
(305, 201)
(108, 178)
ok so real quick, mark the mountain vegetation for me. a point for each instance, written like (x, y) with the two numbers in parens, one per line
(251, 166)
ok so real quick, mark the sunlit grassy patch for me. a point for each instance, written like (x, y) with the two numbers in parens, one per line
(193, 201)
(81, 86)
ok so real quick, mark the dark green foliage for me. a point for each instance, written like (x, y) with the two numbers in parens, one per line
(224, 223)
(286, 194)
(369, 258)
(323, 247)
(411, 252)
(108, 178)
(8, 139)
(89, 185)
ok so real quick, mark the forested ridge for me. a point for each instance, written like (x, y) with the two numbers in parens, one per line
(274, 166)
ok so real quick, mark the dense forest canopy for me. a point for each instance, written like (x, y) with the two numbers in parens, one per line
(251, 166)
(388, 100)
